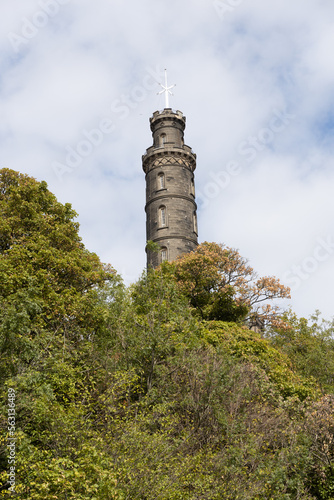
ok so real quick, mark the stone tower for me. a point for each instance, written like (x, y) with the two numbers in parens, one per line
(169, 165)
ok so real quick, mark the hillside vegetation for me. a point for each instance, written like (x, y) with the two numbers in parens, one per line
(159, 390)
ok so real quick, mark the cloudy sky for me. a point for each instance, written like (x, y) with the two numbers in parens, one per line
(79, 81)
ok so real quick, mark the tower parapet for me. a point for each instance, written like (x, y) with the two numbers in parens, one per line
(171, 218)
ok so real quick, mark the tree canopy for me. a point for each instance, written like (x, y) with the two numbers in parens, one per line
(221, 285)
(156, 390)
(49, 281)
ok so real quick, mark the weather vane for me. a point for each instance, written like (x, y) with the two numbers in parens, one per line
(166, 90)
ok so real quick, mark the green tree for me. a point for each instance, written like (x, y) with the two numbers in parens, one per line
(319, 426)
(309, 345)
(49, 281)
(222, 286)
(55, 300)
(156, 322)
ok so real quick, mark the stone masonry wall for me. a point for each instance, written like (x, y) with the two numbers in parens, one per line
(169, 168)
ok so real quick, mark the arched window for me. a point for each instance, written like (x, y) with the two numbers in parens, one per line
(162, 139)
(195, 223)
(161, 181)
(163, 254)
(162, 217)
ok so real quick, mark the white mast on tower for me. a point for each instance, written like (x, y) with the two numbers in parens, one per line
(166, 90)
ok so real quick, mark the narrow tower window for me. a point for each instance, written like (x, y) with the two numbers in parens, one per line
(163, 254)
(161, 181)
(195, 223)
(162, 139)
(192, 187)
(162, 217)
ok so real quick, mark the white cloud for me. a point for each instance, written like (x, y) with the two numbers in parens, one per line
(232, 75)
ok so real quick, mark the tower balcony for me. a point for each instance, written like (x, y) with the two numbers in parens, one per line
(165, 150)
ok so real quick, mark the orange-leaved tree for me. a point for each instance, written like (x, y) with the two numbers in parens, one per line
(222, 286)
